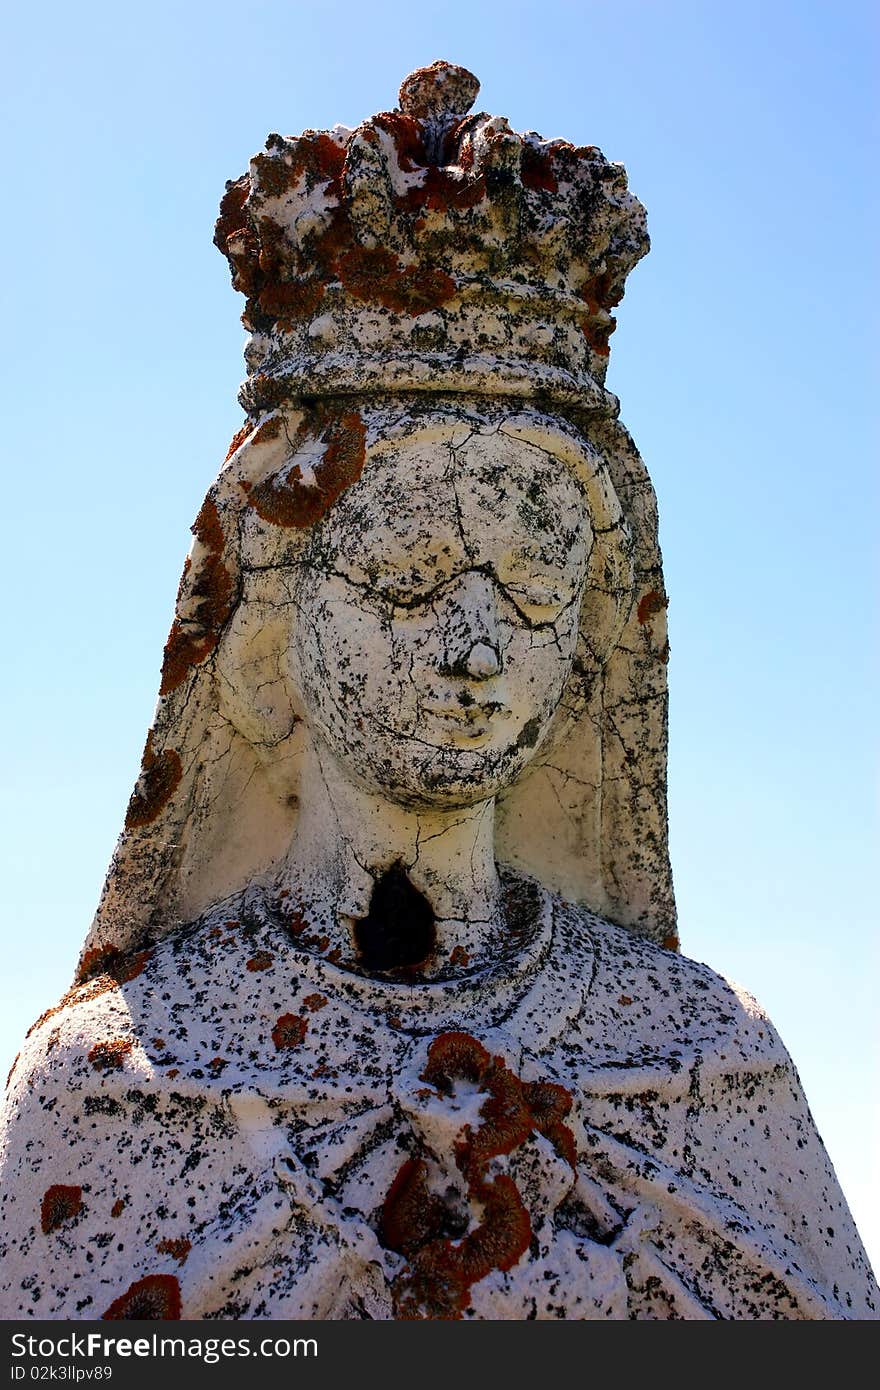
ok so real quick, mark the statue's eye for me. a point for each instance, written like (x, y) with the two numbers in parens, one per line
(405, 587)
(543, 600)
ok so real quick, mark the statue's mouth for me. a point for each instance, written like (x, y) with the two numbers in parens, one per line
(471, 722)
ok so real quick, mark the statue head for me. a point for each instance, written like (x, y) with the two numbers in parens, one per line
(432, 548)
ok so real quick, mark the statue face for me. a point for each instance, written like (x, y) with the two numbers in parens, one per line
(437, 613)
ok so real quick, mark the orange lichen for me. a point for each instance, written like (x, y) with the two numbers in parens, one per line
(107, 965)
(159, 780)
(442, 1271)
(98, 960)
(314, 1002)
(217, 1065)
(118, 1207)
(652, 603)
(238, 439)
(155, 1298)
(376, 276)
(624, 999)
(178, 1249)
(288, 300)
(597, 335)
(458, 956)
(60, 1203)
(289, 1031)
(537, 170)
(442, 189)
(406, 136)
(285, 499)
(671, 942)
(260, 960)
(232, 216)
(205, 597)
(110, 1055)
(411, 1216)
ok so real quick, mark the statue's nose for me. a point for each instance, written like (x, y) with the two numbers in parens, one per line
(482, 661)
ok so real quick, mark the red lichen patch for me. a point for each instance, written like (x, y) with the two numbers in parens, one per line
(60, 1204)
(376, 277)
(238, 439)
(651, 604)
(315, 154)
(597, 335)
(314, 1002)
(159, 780)
(442, 87)
(11, 1071)
(286, 499)
(206, 589)
(110, 1055)
(456, 1056)
(158, 1042)
(537, 170)
(173, 1071)
(217, 1065)
(601, 293)
(108, 964)
(260, 960)
(155, 1298)
(411, 1216)
(443, 189)
(270, 429)
(177, 1249)
(232, 215)
(549, 1104)
(458, 956)
(442, 1271)
(98, 960)
(418, 289)
(131, 966)
(118, 1207)
(394, 1020)
(407, 138)
(624, 999)
(324, 1072)
(289, 1031)
(671, 942)
(289, 300)
(365, 272)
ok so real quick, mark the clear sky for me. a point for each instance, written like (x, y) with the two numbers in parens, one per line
(744, 359)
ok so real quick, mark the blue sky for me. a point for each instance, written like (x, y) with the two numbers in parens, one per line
(744, 361)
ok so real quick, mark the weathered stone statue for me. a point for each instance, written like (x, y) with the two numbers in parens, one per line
(382, 1014)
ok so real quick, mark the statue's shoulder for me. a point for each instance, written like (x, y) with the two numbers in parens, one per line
(645, 992)
(132, 1014)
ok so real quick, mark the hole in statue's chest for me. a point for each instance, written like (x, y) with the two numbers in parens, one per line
(399, 931)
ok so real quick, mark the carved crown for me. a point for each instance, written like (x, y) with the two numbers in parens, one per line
(432, 250)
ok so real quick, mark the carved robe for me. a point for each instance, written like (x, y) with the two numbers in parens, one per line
(232, 1126)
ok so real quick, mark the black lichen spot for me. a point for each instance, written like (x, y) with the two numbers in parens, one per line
(398, 932)
(529, 734)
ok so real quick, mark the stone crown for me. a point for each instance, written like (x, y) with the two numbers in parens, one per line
(429, 249)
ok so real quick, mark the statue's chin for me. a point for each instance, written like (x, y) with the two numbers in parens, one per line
(433, 777)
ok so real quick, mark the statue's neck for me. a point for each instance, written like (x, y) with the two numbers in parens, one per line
(381, 881)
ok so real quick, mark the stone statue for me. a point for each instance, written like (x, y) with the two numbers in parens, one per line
(382, 1014)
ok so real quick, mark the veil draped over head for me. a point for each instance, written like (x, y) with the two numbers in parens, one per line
(440, 259)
